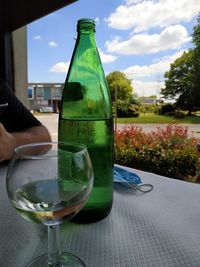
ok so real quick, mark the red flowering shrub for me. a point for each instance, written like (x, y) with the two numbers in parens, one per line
(169, 151)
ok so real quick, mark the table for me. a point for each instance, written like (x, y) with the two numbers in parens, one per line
(159, 228)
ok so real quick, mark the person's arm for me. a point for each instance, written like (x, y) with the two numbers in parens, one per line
(9, 141)
(18, 126)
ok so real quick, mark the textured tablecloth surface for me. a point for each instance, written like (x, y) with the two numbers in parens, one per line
(160, 228)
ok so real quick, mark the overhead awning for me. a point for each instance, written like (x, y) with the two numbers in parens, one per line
(17, 13)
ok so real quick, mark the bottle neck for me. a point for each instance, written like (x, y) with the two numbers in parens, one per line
(86, 31)
(85, 34)
(86, 38)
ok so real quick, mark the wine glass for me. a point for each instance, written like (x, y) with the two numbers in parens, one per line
(49, 183)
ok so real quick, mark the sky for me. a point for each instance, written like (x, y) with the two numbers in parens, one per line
(140, 38)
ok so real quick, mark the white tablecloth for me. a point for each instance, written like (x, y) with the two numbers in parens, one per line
(160, 228)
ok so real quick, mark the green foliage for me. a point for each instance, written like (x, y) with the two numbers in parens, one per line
(118, 81)
(196, 33)
(168, 152)
(179, 114)
(182, 81)
(120, 87)
(179, 81)
(196, 73)
(167, 109)
(144, 108)
(127, 109)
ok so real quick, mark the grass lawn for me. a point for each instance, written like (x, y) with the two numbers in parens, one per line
(152, 118)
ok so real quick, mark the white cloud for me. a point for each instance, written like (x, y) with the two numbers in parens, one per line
(97, 20)
(60, 67)
(158, 68)
(130, 2)
(147, 88)
(171, 37)
(106, 58)
(155, 70)
(37, 37)
(147, 14)
(53, 44)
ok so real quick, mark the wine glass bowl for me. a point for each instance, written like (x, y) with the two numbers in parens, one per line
(49, 183)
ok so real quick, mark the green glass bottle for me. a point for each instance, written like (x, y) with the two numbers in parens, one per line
(86, 117)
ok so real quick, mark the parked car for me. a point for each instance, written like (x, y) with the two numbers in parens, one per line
(46, 110)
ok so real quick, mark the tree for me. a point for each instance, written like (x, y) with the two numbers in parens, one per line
(196, 73)
(182, 81)
(179, 81)
(118, 81)
(196, 33)
(126, 104)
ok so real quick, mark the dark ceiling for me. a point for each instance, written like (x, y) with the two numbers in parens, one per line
(17, 13)
(13, 15)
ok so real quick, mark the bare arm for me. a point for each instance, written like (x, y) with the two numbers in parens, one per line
(9, 141)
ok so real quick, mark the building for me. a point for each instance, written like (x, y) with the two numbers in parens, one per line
(148, 100)
(43, 95)
(14, 16)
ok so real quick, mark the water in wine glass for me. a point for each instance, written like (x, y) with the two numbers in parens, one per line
(49, 183)
(48, 202)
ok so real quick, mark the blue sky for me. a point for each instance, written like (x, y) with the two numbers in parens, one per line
(138, 37)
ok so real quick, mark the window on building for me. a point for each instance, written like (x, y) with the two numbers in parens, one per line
(30, 93)
(39, 93)
(56, 93)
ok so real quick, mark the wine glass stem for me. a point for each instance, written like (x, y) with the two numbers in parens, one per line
(54, 251)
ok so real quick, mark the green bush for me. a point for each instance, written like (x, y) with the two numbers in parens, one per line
(168, 152)
(166, 109)
(126, 109)
(144, 108)
(179, 114)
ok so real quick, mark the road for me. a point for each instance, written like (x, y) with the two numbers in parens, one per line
(51, 122)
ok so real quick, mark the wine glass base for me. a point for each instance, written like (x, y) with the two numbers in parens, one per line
(66, 260)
